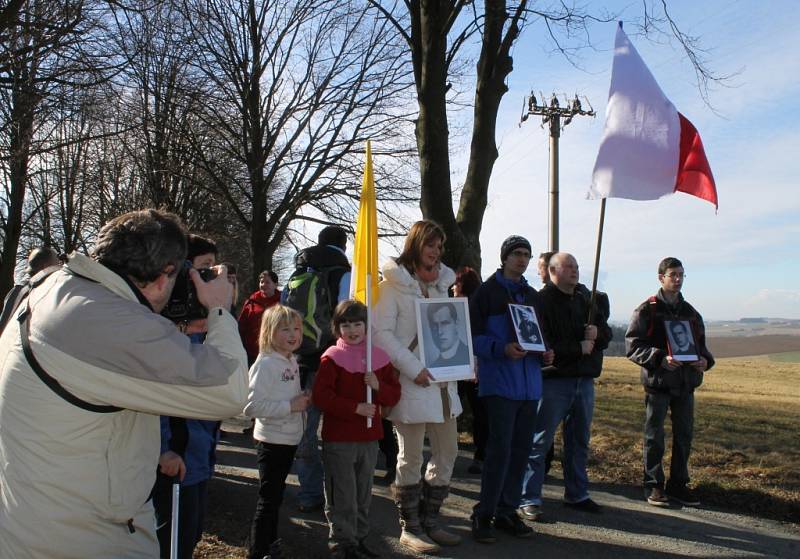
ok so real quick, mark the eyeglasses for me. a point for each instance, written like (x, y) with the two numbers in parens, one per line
(674, 275)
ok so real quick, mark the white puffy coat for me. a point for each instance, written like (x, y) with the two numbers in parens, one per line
(394, 326)
(274, 381)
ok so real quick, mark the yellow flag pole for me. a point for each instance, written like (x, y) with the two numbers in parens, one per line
(369, 342)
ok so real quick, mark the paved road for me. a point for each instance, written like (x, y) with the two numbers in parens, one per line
(628, 528)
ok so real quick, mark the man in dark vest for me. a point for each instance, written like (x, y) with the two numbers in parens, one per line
(327, 254)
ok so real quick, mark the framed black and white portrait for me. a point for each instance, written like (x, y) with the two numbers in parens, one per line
(681, 340)
(526, 325)
(445, 339)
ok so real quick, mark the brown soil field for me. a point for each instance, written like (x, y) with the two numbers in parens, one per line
(740, 346)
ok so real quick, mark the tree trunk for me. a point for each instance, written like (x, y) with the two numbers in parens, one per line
(494, 65)
(24, 101)
(429, 55)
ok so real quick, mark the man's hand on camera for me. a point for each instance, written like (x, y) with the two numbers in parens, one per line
(215, 293)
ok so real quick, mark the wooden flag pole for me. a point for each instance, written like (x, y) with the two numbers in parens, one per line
(597, 260)
(369, 341)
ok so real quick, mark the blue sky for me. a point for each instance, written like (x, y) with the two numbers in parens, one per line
(743, 261)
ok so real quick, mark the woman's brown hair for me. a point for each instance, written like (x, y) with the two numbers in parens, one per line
(420, 234)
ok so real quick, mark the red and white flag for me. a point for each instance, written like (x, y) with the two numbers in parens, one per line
(649, 149)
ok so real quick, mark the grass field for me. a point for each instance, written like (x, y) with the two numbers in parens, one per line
(747, 420)
(786, 357)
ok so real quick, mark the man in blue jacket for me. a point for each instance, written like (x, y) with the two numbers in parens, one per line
(510, 387)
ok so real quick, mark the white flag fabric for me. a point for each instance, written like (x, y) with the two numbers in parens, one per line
(649, 149)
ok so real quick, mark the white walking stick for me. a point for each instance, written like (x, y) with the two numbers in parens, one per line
(173, 533)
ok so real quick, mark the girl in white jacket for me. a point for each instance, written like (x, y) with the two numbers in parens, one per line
(277, 402)
(425, 406)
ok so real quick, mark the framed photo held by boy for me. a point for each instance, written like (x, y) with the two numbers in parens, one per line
(681, 340)
(526, 326)
(445, 339)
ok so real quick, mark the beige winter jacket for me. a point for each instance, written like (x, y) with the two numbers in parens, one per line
(75, 483)
(394, 321)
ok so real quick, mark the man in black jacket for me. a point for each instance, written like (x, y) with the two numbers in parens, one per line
(568, 392)
(326, 257)
(669, 384)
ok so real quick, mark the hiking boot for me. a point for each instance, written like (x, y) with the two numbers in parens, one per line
(512, 524)
(482, 530)
(531, 512)
(683, 495)
(657, 497)
(587, 505)
(432, 498)
(407, 499)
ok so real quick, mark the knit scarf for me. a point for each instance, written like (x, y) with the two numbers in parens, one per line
(353, 358)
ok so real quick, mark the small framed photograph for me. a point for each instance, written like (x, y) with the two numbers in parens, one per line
(445, 339)
(681, 340)
(526, 325)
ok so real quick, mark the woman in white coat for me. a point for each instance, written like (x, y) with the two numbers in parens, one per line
(424, 406)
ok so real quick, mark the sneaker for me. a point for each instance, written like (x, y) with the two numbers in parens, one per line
(587, 505)
(657, 497)
(476, 467)
(482, 530)
(683, 495)
(531, 512)
(513, 525)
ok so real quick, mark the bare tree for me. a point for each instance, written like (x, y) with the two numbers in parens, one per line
(54, 46)
(297, 89)
(434, 32)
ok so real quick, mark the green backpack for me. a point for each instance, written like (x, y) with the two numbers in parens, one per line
(309, 293)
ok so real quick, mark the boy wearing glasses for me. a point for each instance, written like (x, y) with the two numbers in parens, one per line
(668, 383)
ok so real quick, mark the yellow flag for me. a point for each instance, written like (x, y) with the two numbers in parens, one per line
(365, 253)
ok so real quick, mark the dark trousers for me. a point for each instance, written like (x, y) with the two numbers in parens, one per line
(274, 463)
(511, 426)
(480, 423)
(681, 409)
(191, 513)
(388, 445)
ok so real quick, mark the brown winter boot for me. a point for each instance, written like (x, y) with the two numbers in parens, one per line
(432, 498)
(406, 497)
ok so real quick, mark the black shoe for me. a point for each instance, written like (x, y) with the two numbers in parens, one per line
(476, 467)
(313, 507)
(514, 525)
(482, 530)
(366, 549)
(531, 512)
(683, 495)
(587, 505)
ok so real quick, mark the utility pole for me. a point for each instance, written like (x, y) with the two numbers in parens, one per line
(552, 115)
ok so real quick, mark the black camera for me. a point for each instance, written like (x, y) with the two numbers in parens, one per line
(183, 304)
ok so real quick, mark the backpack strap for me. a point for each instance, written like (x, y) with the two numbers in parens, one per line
(24, 328)
(652, 302)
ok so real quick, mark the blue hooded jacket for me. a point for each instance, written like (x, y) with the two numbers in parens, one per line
(195, 440)
(492, 329)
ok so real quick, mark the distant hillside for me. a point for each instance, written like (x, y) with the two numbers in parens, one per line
(735, 344)
(739, 346)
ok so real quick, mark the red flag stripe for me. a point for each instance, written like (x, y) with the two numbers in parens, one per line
(694, 173)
